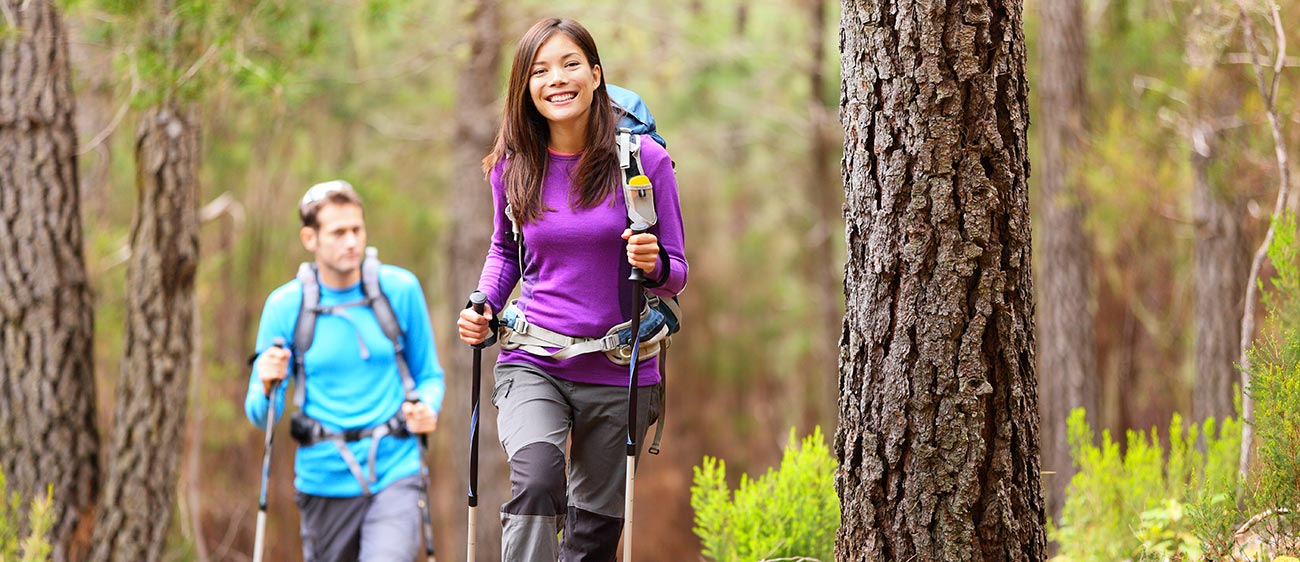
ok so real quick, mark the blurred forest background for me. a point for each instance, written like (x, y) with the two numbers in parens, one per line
(1172, 189)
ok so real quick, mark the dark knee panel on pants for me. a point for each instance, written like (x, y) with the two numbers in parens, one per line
(590, 537)
(537, 481)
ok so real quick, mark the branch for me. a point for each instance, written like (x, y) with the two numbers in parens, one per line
(1245, 58)
(10, 19)
(1245, 527)
(1284, 188)
(121, 111)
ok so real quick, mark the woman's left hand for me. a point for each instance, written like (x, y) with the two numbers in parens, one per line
(642, 250)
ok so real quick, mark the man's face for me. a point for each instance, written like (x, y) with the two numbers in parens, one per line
(339, 239)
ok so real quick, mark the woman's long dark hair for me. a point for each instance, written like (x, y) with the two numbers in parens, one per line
(524, 132)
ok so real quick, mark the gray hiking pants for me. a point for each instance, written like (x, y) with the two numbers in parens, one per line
(536, 414)
(384, 527)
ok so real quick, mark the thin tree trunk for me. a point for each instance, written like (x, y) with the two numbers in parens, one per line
(151, 400)
(1066, 360)
(1219, 286)
(938, 435)
(1268, 89)
(47, 385)
(471, 228)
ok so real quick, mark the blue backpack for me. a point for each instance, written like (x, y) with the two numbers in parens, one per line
(636, 116)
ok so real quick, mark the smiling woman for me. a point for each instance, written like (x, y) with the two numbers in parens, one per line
(555, 173)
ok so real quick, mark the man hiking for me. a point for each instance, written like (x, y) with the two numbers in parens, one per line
(366, 381)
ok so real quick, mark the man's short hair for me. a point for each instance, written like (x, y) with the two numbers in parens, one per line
(338, 192)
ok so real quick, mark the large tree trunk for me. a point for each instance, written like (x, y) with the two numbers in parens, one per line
(1066, 360)
(47, 384)
(151, 399)
(938, 435)
(1220, 287)
(471, 229)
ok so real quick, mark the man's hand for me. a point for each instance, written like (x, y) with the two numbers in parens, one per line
(420, 418)
(272, 367)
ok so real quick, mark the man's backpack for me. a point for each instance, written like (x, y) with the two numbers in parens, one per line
(307, 431)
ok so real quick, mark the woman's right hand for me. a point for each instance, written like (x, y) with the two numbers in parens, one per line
(474, 326)
(272, 367)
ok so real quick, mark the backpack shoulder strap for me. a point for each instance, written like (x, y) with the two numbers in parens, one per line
(638, 193)
(304, 330)
(383, 309)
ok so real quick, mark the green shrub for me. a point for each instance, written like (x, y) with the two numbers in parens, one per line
(1275, 379)
(35, 547)
(789, 513)
(1140, 503)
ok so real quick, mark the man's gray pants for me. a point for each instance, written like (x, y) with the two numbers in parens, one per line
(384, 527)
(536, 414)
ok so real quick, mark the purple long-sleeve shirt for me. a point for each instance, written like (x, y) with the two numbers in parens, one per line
(575, 280)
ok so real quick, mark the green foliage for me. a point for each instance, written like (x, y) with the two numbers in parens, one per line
(1139, 502)
(1163, 532)
(1275, 378)
(789, 512)
(35, 546)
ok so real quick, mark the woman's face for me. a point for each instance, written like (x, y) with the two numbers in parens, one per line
(561, 81)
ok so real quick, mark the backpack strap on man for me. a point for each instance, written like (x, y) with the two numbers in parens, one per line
(383, 309)
(308, 431)
(305, 330)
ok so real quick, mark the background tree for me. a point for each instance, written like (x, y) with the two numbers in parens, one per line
(47, 385)
(1220, 288)
(938, 437)
(470, 210)
(1066, 355)
(152, 395)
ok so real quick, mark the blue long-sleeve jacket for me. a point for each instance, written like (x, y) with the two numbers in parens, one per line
(347, 390)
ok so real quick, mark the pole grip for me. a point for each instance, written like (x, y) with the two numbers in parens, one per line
(638, 276)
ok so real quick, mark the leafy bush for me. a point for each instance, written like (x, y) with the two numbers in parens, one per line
(1140, 503)
(789, 513)
(1275, 379)
(1145, 504)
(35, 547)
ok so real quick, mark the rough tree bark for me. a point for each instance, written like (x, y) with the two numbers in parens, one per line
(938, 436)
(147, 435)
(47, 384)
(1220, 289)
(1066, 361)
(471, 228)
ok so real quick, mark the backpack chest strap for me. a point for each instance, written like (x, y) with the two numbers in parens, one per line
(308, 431)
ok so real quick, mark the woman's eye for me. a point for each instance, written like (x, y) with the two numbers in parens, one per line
(539, 71)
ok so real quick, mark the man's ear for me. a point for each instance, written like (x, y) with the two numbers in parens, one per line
(308, 237)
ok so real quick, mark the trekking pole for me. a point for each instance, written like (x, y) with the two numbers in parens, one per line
(479, 300)
(423, 502)
(260, 538)
(637, 278)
